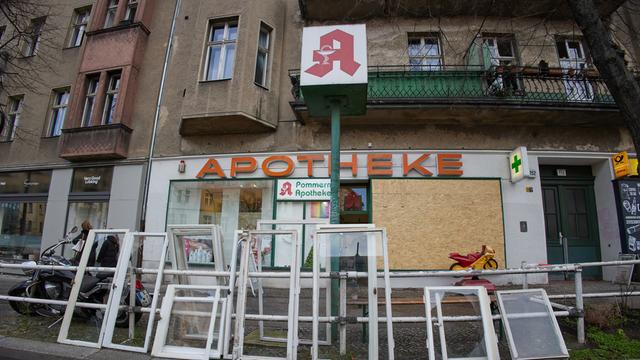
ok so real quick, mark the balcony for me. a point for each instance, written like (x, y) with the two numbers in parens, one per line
(466, 93)
(358, 10)
(104, 142)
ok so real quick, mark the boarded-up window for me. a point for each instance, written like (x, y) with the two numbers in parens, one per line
(428, 219)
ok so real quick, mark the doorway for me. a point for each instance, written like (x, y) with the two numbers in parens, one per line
(571, 222)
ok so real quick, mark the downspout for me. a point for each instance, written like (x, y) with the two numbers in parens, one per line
(152, 143)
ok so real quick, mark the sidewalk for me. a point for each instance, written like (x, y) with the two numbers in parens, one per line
(24, 349)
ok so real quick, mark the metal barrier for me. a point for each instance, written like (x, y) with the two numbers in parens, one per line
(575, 311)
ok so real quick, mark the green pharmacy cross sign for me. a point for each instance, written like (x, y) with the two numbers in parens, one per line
(519, 164)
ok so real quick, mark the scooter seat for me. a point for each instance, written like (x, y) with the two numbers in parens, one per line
(88, 282)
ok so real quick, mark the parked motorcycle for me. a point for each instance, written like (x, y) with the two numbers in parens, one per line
(483, 260)
(57, 284)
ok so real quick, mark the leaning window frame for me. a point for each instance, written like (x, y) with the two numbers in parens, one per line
(161, 349)
(372, 284)
(77, 283)
(244, 281)
(490, 340)
(507, 327)
(227, 22)
(119, 284)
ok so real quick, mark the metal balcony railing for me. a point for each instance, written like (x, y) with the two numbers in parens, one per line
(516, 85)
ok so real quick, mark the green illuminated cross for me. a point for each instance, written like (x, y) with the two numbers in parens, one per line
(516, 163)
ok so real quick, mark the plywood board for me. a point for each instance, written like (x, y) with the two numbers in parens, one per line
(428, 219)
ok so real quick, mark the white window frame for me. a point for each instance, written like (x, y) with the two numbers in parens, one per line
(265, 51)
(577, 63)
(132, 6)
(244, 280)
(111, 97)
(13, 118)
(507, 327)
(119, 284)
(490, 340)
(81, 18)
(423, 66)
(63, 335)
(177, 249)
(223, 44)
(160, 349)
(32, 43)
(110, 15)
(268, 224)
(90, 94)
(55, 128)
(372, 282)
(497, 58)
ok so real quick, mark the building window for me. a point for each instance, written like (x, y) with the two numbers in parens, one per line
(571, 54)
(262, 60)
(221, 50)
(79, 26)
(111, 99)
(424, 52)
(501, 50)
(110, 18)
(132, 6)
(58, 111)
(13, 118)
(90, 99)
(33, 37)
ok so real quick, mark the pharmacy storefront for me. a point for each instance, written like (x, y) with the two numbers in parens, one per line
(431, 202)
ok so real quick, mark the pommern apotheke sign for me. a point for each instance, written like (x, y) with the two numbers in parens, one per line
(304, 189)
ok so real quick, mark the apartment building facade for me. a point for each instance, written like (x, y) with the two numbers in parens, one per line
(453, 90)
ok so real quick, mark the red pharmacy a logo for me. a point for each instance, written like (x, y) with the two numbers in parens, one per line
(286, 189)
(325, 57)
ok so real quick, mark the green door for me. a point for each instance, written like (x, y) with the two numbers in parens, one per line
(570, 215)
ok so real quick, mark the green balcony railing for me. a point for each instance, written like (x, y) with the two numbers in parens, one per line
(469, 85)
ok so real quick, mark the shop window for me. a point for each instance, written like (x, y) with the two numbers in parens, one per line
(111, 99)
(92, 180)
(262, 59)
(79, 26)
(221, 50)
(90, 99)
(59, 103)
(33, 37)
(231, 204)
(13, 118)
(130, 14)
(23, 201)
(112, 9)
(425, 53)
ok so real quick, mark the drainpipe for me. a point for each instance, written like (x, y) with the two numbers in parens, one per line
(152, 143)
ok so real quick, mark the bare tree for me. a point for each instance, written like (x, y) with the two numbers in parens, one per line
(609, 59)
(24, 40)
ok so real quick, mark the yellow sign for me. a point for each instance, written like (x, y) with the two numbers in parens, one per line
(633, 167)
(621, 164)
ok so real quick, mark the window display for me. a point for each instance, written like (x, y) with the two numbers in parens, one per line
(21, 226)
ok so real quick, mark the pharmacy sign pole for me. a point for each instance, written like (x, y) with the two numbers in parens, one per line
(333, 81)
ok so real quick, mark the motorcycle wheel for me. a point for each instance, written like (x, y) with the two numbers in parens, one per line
(20, 307)
(122, 321)
(491, 264)
(456, 267)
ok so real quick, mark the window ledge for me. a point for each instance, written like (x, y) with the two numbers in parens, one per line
(50, 137)
(213, 81)
(261, 86)
(119, 27)
(72, 47)
(6, 141)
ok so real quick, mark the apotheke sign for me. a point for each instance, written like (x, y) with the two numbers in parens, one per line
(304, 189)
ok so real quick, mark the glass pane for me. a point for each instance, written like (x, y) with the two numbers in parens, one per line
(233, 32)
(532, 330)
(353, 198)
(58, 119)
(217, 33)
(110, 108)
(95, 179)
(431, 47)
(21, 226)
(88, 111)
(229, 60)
(562, 50)
(263, 39)
(232, 204)
(31, 182)
(414, 47)
(575, 51)
(214, 62)
(504, 48)
(260, 68)
(95, 212)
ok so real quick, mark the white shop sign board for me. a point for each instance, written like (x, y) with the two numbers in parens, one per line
(333, 55)
(519, 164)
(304, 190)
